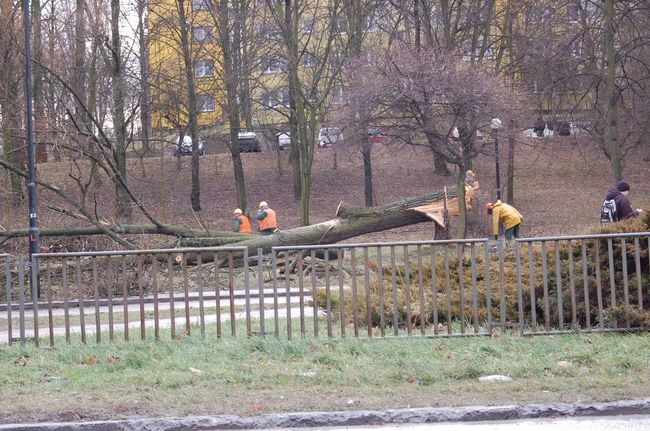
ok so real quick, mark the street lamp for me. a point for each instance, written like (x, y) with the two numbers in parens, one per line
(495, 125)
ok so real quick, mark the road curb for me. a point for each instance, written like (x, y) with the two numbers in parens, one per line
(362, 417)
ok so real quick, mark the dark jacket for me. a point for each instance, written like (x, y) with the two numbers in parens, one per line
(623, 206)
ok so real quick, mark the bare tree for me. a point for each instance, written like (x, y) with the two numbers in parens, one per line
(423, 95)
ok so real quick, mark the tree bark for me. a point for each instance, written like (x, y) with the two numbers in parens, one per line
(612, 96)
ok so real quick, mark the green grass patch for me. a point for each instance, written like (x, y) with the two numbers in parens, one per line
(192, 375)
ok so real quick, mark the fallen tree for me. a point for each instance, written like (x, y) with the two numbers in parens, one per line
(350, 222)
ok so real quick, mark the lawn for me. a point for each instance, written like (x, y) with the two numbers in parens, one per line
(252, 376)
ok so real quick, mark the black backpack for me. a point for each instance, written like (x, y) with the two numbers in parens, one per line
(608, 212)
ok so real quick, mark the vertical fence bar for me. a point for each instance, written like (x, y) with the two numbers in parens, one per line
(434, 291)
(8, 290)
(460, 254)
(82, 315)
(143, 325)
(110, 278)
(626, 294)
(488, 286)
(339, 267)
(572, 288)
(186, 294)
(301, 293)
(199, 282)
(98, 320)
(380, 282)
(547, 306)
(274, 280)
(474, 288)
(612, 277)
(156, 311)
(66, 300)
(423, 317)
(585, 281)
(287, 291)
(407, 289)
(34, 294)
(328, 294)
(558, 275)
(502, 288)
(170, 290)
(231, 290)
(520, 295)
(393, 286)
(355, 299)
(366, 284)
(217, 296)
(21, 299)
(247, 295)
(599, 286)
(448, 288)
(50, 311)
(125, 298)
(260, 287)
(314, 289)
(637, 261)
(531, 275)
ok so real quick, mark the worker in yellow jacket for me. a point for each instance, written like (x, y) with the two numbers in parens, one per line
(511, 218)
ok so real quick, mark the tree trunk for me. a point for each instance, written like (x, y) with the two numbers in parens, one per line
(195, 194)
(122, 200)
(510, 180)
(145, 109)
(367, 173)
(37, 87)
(612, 97)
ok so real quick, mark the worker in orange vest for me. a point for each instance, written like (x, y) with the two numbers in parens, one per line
(266, 218)
(242, 223)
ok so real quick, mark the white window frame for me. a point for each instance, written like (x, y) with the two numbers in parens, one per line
(205, 102)
(200, 5)
(338, 95)
(202, 34)
(203, 68)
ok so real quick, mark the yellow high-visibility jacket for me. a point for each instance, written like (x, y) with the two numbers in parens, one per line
(505, 213)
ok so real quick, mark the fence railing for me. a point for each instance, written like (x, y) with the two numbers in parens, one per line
(424, 288)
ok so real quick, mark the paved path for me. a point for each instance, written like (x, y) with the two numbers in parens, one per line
(209, 301)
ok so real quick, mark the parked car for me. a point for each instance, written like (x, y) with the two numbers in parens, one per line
(328, 136)
(284, 140)
(185, 148)
(375, 135)
(248, 142)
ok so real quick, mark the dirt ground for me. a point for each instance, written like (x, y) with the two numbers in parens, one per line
(559, 187)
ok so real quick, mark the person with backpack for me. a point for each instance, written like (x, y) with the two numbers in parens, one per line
(616, 206)
(242, 222)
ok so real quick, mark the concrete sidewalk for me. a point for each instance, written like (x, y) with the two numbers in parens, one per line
(348, 419)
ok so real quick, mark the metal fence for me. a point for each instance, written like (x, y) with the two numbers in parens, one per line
(426, 288)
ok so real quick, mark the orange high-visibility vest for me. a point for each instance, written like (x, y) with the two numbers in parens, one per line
(245, 226)
(268, 222)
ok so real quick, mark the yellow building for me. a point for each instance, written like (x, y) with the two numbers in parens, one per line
(168, 81)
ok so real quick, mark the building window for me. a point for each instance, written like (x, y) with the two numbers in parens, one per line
(337, 95)
(308, 60)
(340, 25)
(202, 34)
(575, 47)
(275, 99)
(370, 24)
(270, 31)
(203, 68)
(205, 102)
(335, 60)
(273, 65)
(307, 26)
(199, 5)
(573, 12)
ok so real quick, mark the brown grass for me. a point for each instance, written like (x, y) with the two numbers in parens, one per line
(559, 186)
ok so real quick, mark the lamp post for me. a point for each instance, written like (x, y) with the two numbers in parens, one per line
(495, 125)
(34, 234)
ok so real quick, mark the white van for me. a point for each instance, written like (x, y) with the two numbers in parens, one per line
(328, 136)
